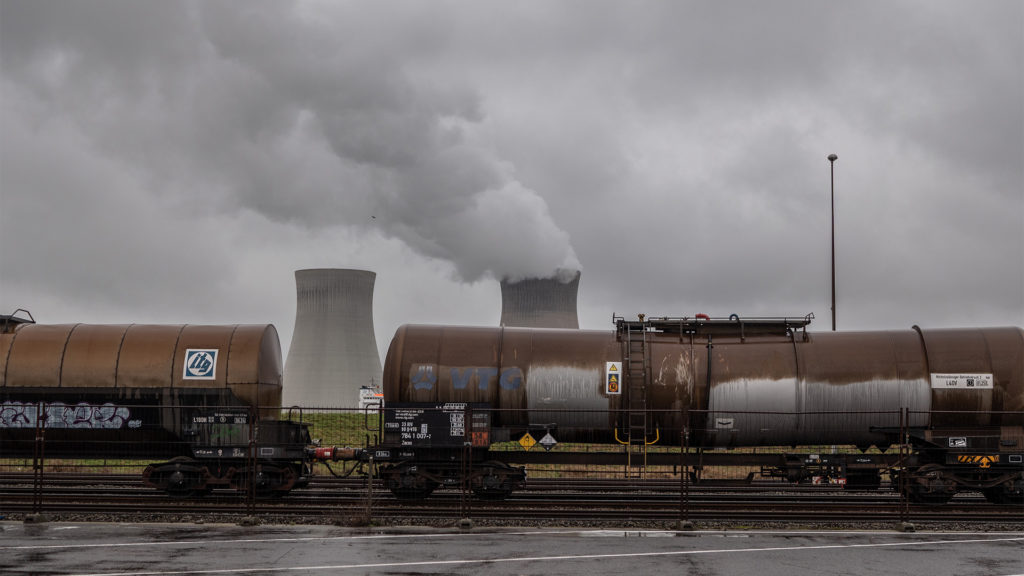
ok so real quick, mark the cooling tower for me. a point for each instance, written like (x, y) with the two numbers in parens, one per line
(334, 350)
(541, 302)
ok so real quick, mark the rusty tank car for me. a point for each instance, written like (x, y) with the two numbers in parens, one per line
(956, 394)
(191, 394)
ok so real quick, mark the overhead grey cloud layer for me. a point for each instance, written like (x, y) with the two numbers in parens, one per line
(177, 161)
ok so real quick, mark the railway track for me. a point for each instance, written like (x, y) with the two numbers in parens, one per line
(542, 500)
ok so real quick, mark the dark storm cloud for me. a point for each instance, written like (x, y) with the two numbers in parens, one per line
(254, 106)
(723, 113)
(678, 148)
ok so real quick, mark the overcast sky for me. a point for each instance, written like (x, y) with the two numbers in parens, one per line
(176, 162)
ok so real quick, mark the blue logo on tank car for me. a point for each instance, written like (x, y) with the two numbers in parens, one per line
(424, 377)
(200, 364)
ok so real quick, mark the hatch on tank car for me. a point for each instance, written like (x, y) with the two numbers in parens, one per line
(10, 322)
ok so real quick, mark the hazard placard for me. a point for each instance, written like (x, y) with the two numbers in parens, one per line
(613, 378)
(548, 441)
(527, 441)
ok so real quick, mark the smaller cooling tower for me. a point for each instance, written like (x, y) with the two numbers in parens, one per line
(334, 349)
(541, 302)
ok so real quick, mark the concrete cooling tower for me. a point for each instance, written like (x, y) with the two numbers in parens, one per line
(334, 350)
(541, 302)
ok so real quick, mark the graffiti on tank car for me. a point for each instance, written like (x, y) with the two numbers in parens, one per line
(17, 415)
(461, 377)
(424, 377)
(510, 378)
(59, 415)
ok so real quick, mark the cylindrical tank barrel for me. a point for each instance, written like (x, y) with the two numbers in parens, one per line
(796, 389)
(243, 360)
(531, 375)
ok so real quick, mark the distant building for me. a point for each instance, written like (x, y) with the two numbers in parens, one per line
(541, 302)
(334, 349)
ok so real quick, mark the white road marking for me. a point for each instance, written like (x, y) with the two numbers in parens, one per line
(428, 563)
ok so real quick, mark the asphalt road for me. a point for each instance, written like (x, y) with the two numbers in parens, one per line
(165, 549)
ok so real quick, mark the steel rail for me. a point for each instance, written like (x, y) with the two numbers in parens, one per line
(565, 501)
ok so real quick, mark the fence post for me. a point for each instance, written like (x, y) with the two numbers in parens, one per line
(38, 459)
(684, 479)
(902, 485)
(369, 493)
(466, 470)
(250, 489)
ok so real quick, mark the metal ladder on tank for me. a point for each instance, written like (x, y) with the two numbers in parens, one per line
(636, 376)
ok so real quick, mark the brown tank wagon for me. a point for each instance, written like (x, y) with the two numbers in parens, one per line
(535, 375)
(734, 382)
(187, 392)
(240, 364)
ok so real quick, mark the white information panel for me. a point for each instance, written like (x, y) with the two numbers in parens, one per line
(962, 381)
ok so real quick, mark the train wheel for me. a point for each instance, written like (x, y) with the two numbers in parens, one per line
(919, 497)
(929, 485)
(180, 478)
(496, 481)
(271, 481)
(1010, 492)
(406, 482)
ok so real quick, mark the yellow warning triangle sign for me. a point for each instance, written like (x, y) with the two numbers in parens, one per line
(527, 441)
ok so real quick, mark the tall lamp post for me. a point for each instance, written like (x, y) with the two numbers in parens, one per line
(832, 168)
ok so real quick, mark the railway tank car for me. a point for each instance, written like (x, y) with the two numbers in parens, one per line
(192, 394)
(957, 394)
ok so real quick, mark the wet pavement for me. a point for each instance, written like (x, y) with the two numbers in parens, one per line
(165, 549)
